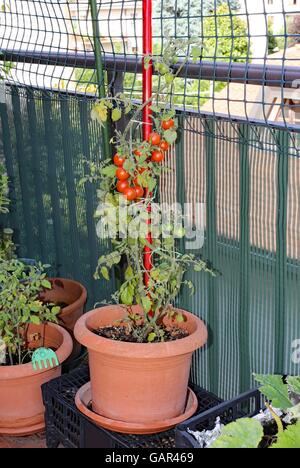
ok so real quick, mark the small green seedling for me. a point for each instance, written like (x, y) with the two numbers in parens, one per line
(44, 358)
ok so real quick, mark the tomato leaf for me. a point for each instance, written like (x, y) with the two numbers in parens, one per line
(151, 337)
(109, 171)
(105, 273)
(170, 136)
(116, 114)
(147, 304)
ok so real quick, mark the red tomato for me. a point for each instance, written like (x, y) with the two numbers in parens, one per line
(167, 124)
(118, 160)
(130, 194)
(164, 146)
(122, 185)
(157, 156)
(122, 174)
(154, 139)
(139, 191)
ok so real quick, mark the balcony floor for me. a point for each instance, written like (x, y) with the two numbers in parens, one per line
(35, 441)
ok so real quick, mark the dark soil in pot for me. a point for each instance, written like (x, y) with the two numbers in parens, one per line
(125, 334)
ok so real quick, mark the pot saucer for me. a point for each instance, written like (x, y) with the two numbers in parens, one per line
(84, 398)
(23, 431)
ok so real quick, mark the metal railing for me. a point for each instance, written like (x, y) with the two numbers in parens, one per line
(229, 72)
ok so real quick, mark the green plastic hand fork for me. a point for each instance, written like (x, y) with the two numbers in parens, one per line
(43, 358)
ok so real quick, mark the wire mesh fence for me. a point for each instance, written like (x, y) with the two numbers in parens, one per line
(250, 58)
(238, 156)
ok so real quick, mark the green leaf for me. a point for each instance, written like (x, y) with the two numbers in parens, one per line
(127, 295)
(170, 136)
(46, 284)
(155, 109)
(56, 310)
(295, 411)
(294, 384)
(180, 318)
(128, 165)
(99, 112)
(198, 267)
(290, 438)
(169, 78)
(116, 114)
(273, 388)
(109, 171)
(147, 61)
(105, 273)
(244, 433)
(151, 184)
(35, 320)
(196, 52)
(129, 273)
(147, 304)
(151, 337)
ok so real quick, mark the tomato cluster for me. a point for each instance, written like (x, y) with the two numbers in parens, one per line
(160, 146)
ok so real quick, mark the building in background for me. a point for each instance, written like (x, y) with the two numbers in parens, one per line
(265, 15)
(120, 25)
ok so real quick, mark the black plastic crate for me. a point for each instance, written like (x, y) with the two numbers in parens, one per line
(247, 405)
(68, 427)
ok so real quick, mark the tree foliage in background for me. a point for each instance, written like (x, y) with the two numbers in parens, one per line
(273, 43)
(294, 30)
(225, 36)
(185, 17)
(212, 5)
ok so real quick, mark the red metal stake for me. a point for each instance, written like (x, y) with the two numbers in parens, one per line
(147, 121)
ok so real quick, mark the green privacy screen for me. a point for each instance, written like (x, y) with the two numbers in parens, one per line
(46, 143)
(251, 193)
(250, 188)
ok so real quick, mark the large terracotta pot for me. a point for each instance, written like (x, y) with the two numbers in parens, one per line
(138, 383)
(74, 294)
(21, 404)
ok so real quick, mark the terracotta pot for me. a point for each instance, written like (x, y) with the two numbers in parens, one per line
(21, 404)
(74, 294)
(138, 383)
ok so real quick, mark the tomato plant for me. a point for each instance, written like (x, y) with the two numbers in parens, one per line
(138, 178)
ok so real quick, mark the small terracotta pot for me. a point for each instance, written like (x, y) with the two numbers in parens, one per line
(138, 383)
(21, 404)
(74, 294)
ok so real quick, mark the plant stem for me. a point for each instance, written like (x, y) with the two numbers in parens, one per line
(276, 418)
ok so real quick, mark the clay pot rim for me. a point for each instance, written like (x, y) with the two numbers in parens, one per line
(78, 303)
(140, 350)
(26, 370)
